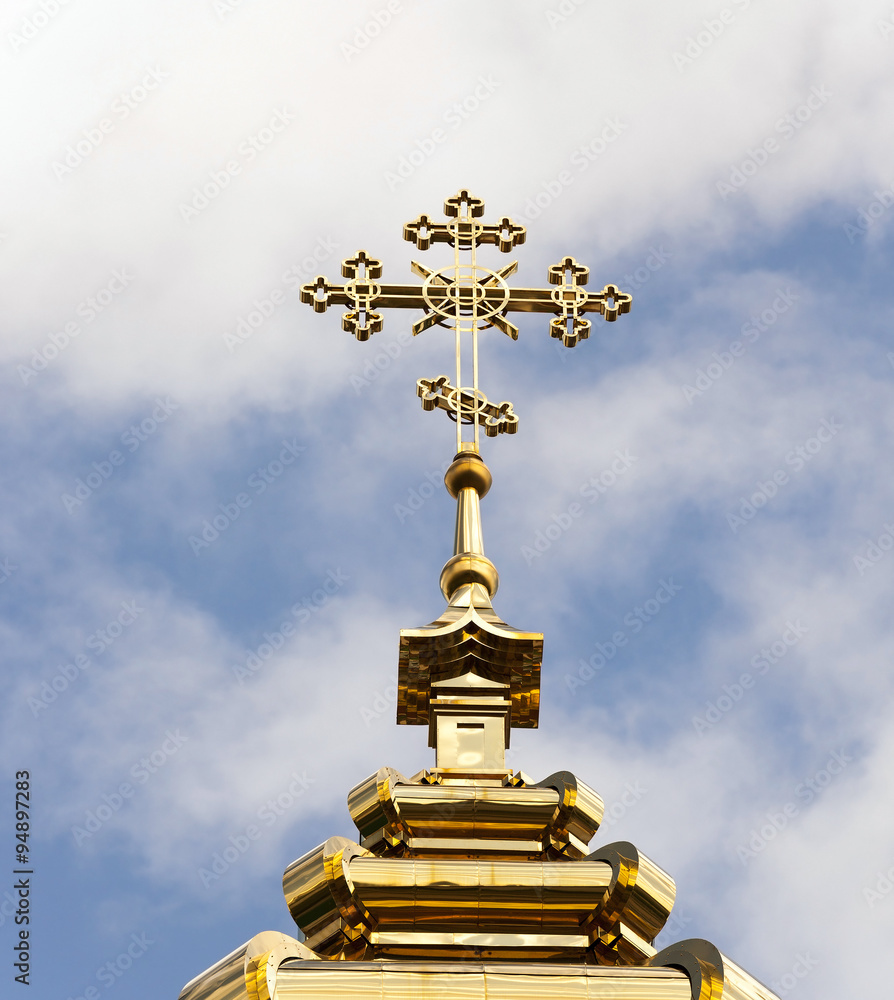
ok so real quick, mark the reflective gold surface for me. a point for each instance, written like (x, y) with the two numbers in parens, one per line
(578, 815)
(339, 892)
(473, 980)
(453, 293)
(469, 724)
(423, 895)
(464, 639)
(467, 568)
(711, 973)
(467, 406)
(636, 907)
(468, 471)
(559, 815)
(468, 641)
(497, 897)
(249, 972)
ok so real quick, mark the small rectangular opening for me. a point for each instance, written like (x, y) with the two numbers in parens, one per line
(470, 725)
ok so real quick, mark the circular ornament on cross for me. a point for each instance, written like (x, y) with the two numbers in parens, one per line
(569, 298)
(464, 403)
(465, 290)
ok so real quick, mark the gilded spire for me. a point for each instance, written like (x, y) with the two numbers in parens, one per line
(468, 571)
(467, 865)
(469, 641)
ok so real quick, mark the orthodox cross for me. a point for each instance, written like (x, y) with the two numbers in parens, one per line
(466, 297)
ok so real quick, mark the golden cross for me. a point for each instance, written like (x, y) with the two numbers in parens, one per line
(466, 297)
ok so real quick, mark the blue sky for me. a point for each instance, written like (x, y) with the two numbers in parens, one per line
(716, 614)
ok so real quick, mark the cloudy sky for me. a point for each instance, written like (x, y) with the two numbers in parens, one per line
(697, 510)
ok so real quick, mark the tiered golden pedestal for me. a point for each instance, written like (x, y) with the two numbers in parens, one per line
(475, 886)
(469, 881)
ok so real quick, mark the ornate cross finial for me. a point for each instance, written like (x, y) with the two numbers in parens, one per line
(466, 297)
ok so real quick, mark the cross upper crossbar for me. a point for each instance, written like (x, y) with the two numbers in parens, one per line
(444, 300)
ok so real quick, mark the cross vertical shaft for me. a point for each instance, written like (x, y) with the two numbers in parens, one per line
(464, 222)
